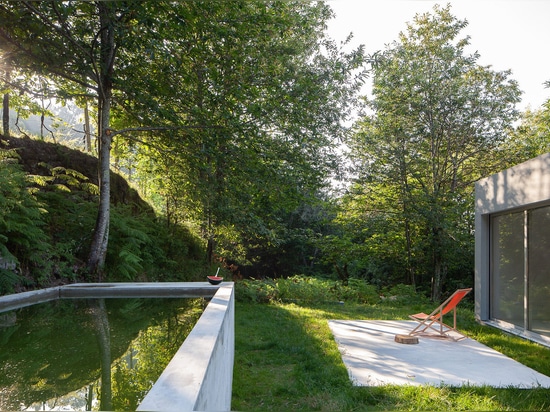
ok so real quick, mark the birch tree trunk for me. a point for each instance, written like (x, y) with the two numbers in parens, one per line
(100, 240)
(87, 130)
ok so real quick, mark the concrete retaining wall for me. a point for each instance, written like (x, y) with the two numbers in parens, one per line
(200, 376)
(139, 290)
(20, 300)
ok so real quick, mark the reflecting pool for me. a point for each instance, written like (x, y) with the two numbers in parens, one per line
(89, 354)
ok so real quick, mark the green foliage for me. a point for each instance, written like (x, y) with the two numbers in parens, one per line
(70, 201)
(305, 290)
(46, 226)
(531, 138)
(258, 103)
(438, 123)
(64, 179)
(9, 279)
(227, 114)
(149, 354)
(241, 140)
(290, 245)
(405, 295)
(256, 291)
(70, 220)
(359, 291)
(131, 245)
(147, 247)
(22, 237)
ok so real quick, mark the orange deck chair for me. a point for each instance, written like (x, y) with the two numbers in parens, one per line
(434, 321)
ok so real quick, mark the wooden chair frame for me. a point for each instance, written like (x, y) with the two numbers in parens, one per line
(434, 321)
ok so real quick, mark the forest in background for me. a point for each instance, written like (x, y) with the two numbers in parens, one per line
(229, 119)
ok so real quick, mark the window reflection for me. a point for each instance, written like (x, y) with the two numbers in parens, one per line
(508, 277)
(538, 270)
(507, 268)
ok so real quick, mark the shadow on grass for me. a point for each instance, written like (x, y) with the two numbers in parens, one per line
(283, 361)
(286, 358)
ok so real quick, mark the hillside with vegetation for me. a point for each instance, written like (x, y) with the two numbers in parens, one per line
(48, 206)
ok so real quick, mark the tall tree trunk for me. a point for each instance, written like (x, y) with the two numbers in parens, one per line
(87, 133)
(207, 226)
(439, 264)
(100, 240)
(6, 115)
(42, 126)
(210, 249)
(6, 109)
(405, 195)
(410, 269)
(438, 278)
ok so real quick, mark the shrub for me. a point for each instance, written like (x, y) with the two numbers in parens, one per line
(360, 291)
(256, 291)
(305, 290)
(405, 294)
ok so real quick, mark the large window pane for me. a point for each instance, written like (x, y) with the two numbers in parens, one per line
(507, 267)
(538, 272)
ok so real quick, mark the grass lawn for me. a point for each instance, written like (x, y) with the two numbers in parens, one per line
(286, 359)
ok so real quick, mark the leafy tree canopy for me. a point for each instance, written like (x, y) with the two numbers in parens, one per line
(230, 111)
(438, 121)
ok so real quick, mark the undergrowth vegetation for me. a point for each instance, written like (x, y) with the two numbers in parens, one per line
(312, 290)
(47, 222)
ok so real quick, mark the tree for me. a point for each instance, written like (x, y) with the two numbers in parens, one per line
(76, 44)
(438, 120)
(217, 91)
(259, 96)
(84, 47)
(531, 137)
(6, 104)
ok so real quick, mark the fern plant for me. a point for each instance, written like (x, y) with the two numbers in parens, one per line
(22, 238)
(64, 179)
(47, 222)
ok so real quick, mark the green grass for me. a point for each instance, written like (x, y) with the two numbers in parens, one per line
(286, 359)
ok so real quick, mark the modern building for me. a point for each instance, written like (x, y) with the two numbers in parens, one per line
(512, 250)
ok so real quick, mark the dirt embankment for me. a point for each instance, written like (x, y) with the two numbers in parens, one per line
(34, 152)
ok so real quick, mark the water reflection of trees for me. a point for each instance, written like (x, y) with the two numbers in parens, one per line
(53, 349)
(100, 320)
(148, 356)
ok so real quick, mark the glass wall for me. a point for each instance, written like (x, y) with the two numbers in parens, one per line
(538, 270)
(507, 280)
(520, 269)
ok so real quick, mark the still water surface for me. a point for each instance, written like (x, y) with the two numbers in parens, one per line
(52, 355)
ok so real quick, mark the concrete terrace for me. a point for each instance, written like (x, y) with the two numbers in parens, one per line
(373, 358)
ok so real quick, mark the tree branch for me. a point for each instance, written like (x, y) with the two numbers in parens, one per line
(159, 128)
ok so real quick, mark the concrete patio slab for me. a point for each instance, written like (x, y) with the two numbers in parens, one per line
(373, 358)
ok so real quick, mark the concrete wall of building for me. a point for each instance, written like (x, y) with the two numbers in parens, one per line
(526, 185)
(200, 376)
